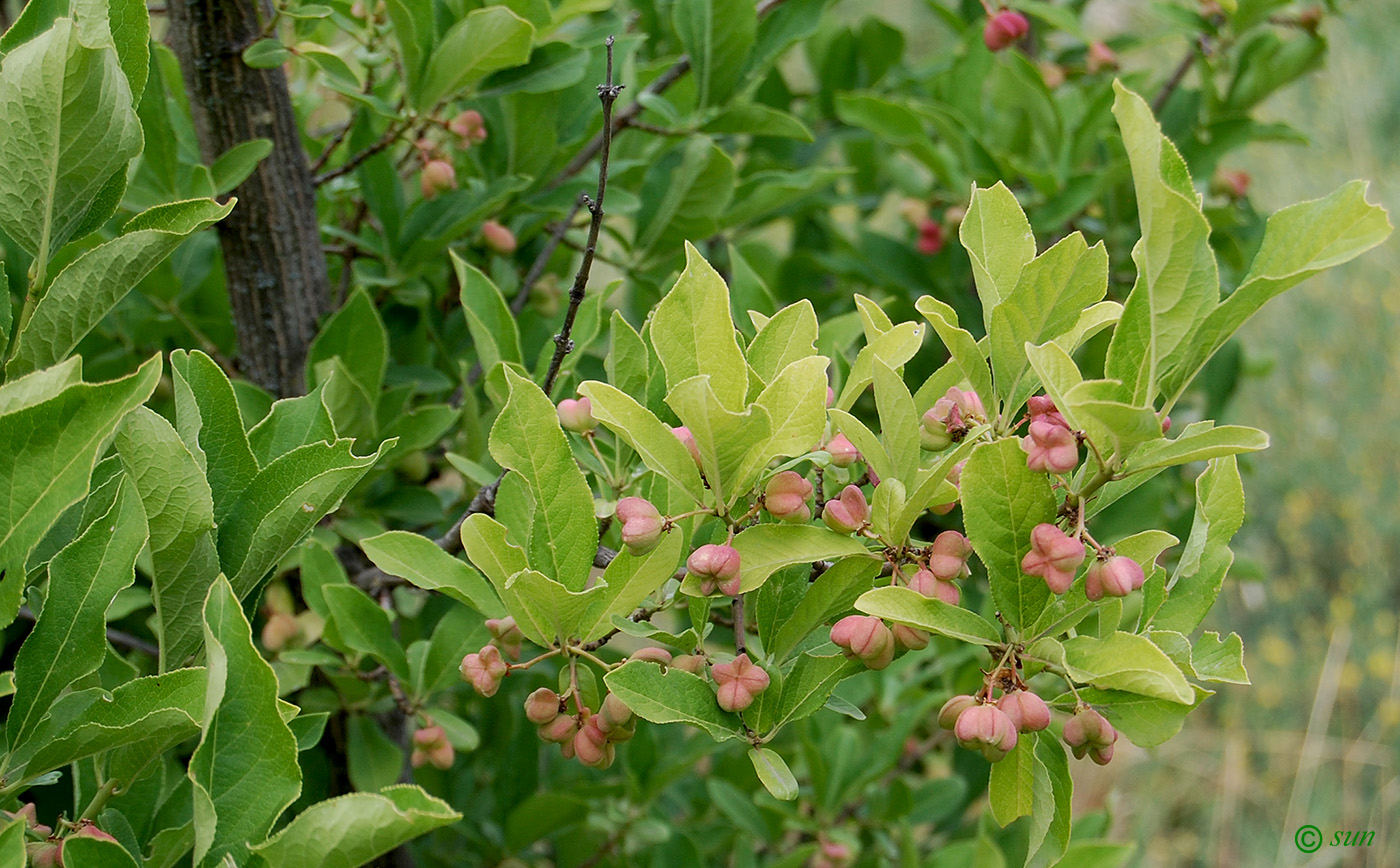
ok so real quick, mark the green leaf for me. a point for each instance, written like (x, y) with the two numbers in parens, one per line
(495, 335)
(418, 559)
(180, 511)
(675, 696)
(872, 451)
(207, 417)
(899, 423)
(733, 446)
(237, 163)
(12, 854)
(481, 43)
(526, 438)
(999, 241)
(912, 608)
(244, 770)
(96, 853)
(355, 829)
(1003, 500)
(88, 288)
(1052, 293)
(796, 404)
(960, 343)
(790, 335)
(355, 334)
(627, 581)
(547, 611)
(1217, 659)
(931, 486)
(292, 422)
(684, 195)
(413, 29)
(808, 685)
(70, 128)
(1196, 446)
(1113, 425)
(1126, 661)
(773, 773)
(1299, 241)
(766, 548)
(365, 627)
(69, 638)
(266, 54)
(652, 440)
(1177, 282)
(895, 347)
(756, 119)
(137, 722)
(282, 504)
(1053, 791)
(693, 333)
(628, 362)
(834, 591)
(1010, 789)
(1206, 557)
(51, 429)
(717, 36)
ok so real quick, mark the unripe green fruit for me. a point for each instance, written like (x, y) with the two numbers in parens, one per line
(542, 706)
(948, 714)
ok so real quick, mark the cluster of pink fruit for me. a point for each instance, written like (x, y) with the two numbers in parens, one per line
(992, 728)
(873, 642)
(1055, 556)
(439, 175)
(586, 736)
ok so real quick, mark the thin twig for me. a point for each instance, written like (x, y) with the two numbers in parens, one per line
(391, 135)
(628, 116)
(537, 267)
(484, 501)
(563, 344)
(1198, 47)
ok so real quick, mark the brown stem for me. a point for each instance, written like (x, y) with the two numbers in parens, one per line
(563, 344)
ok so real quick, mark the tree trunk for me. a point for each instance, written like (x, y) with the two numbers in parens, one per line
(276, 269)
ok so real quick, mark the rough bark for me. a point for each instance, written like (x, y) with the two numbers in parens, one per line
(273, 258)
